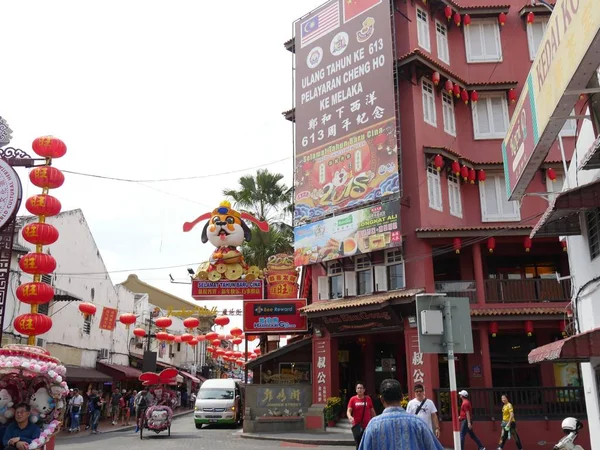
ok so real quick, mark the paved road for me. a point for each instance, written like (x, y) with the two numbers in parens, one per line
(184, 436)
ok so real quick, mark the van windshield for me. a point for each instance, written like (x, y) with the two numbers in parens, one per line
(215, 394)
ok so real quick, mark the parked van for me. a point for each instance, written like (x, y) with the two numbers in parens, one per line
(219, 401)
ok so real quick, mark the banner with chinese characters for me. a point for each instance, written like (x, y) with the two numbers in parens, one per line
(324, 370)
(363, 231)
(227, 290)
(108, 320)
(274, 316)
(345, 136)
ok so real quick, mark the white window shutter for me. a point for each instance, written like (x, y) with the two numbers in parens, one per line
(350, 283)
(323, 287)
(381, 279)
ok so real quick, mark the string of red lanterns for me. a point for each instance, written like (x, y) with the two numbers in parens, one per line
(40, 234)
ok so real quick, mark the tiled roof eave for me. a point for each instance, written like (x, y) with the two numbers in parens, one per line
(443, 232)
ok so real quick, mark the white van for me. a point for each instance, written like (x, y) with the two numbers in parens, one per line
(219, 401)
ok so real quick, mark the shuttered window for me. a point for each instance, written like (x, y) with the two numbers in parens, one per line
(482, 41)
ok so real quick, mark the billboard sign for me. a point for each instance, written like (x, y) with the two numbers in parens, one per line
(354, 233)
(274, 316)
(108, 320)
(345, 118)
(227, 290)
(565, 62)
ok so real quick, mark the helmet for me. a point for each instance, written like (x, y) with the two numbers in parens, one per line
(571, 424)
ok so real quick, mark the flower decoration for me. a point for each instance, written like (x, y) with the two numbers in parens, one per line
(167, 376)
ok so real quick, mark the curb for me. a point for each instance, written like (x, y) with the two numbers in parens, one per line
(296, 440)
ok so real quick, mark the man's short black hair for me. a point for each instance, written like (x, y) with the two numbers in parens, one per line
(419, 387)
(391, 392)
(23, 405)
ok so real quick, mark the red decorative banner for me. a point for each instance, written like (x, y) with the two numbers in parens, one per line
(227, 290)
(274, 316)
(108, 320)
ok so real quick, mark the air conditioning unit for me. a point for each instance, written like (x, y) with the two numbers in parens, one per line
(103, 353)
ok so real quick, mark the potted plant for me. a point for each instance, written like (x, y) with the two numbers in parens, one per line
(330, 416)
(333, 410)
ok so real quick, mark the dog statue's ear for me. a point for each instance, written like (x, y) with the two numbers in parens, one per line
(247, 231)
(204, 237)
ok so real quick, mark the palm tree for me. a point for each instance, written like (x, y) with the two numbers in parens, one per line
(267, 198)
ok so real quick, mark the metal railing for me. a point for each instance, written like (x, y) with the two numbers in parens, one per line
(509, 291)
(528, 403)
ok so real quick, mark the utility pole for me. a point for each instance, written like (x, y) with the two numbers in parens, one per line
(449, 338)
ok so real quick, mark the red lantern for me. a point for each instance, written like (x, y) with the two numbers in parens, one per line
(257, 351)
(467, 20)
(222, 337)
(438, 163)
(529, 327)
(435, 77)
(35, 293)
(191, 322)
(32, 324)
(215, 342)
(211, 336)
(139, 332)
(200, 338)
(456, 90)
(237, 341)
(472, 176)
(527, 243)
(563, 244)
(210, 350)
(562, 326)
(47, 177)
(43, 205)
(512, 95)
(49, 147)
(464, 173)
(163, 322)
(448, 13)
(474, 97)
(551, 173)
(481, 176)
(530, 17)
(220, 352)
(464, 96)
(236, 332)
(457, 19)
(229, 353)
(455, 168)
(491, 244)
(239, 362)
(251, 338)
(40, 233)
(193, 342)
(127, 319)
(494, 328)
(222, 320)
(178, 340)
(87, 309)
(457, 243)
(502, 19)
(186, 337)
(37, 264)
(170, 337)
(162, 336)
(449, 86)
(237, 354)
(252, 356)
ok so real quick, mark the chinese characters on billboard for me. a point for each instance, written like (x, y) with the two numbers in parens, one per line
(108, 320)
(345, 144)
(227, 290)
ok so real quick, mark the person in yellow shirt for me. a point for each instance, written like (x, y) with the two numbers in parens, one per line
(509, 425)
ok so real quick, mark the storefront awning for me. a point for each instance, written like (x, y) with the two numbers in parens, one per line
(119, 372)
(76, 373)
(191, 377)
(279, 352)
(578, 348)
(562, 216)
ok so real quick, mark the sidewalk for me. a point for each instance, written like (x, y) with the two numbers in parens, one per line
(106, 427)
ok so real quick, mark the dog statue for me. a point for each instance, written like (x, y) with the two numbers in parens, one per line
(226, 230)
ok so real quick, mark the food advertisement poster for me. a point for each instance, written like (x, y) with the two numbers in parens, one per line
(363, 231)
(345, 118)
(274, 316)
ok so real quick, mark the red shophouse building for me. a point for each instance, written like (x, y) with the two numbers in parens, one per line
(460, 235)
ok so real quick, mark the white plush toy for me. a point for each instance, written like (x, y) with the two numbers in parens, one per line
(41, 405)
(159, 417)
(6, 406)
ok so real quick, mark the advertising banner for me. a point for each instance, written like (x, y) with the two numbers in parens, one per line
(227, 290)
(108, 320)
(274, 316)
(363, 231)
(345, 120)
(565, 62)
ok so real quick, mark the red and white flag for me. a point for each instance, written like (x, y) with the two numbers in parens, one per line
(354, 8)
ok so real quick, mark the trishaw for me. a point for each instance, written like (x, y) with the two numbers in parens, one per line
(160, 401)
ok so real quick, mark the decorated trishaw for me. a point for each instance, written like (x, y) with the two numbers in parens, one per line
(160, 401)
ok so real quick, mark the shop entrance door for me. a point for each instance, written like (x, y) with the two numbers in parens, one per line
(351, 365)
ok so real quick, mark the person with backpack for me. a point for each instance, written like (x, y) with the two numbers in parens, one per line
(425, 409)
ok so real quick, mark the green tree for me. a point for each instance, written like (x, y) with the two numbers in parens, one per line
(266, 197)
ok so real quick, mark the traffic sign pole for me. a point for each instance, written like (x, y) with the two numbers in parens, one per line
(452, 373)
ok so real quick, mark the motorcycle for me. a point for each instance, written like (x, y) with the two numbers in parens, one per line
(571, 428)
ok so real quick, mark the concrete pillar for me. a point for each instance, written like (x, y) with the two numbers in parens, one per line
(325, 378)
(486, 363)
(592, 405)
(478, 272)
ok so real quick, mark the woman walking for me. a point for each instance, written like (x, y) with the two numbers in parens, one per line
(509, 425)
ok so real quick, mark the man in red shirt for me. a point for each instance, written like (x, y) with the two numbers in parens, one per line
(360, 411)
(466, 421)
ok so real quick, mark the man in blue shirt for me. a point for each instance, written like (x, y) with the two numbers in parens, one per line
(394, 429)
(21, 432)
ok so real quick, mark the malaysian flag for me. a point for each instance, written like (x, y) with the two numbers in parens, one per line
(321, 24)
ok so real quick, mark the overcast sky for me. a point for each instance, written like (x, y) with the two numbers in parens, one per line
(150, 90)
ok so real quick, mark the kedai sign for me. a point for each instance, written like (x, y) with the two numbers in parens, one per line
(565, 62)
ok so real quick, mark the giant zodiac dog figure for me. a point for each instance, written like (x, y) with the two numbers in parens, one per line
(226, 230)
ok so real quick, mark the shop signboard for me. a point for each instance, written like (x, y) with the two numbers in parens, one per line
(345, 116)
(362, 231)
(361, 321)
(566, 60)
(108, 320)
(227, 290)
(274, 316)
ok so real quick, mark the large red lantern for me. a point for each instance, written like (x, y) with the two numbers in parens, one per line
(481, 176)
(455, 168)
(210, 350)
(200, 338)
(494, 329)
(530, 17)
(448, 13)
(527, 243)
(33, 324)
(220, 352)
(472, 176)
(87, 309)
(456, 91)
(162, 336)
(551, 173)
(457, 244)
(464, 96)
(40, 233)
(47, 177)
(222, 320)
(464, 173)
(127, 319)
(215, 342)
(186, 337)
(529, 327)
(237, 341)
(467, 20)
(474, 97)
(193, 342)
(43, 205)
(251, 338)
(236, 332)
(139, 332)
(49, 147)
(211, 336)
(163, 322)
(257, 351)
(37, 263)
(491, 244)
(502, 19)
(178, 340)
(512, 95)
(457, 19)
(191, 322)
(36, 293)
(449, 86)
(170, 337)
(438, 162)
(435, 77)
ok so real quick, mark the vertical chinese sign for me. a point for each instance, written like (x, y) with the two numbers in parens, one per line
(345, 116)
(416, 373)
(322, 361)
(108, 320)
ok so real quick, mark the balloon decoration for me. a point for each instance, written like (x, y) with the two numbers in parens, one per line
(40, 234)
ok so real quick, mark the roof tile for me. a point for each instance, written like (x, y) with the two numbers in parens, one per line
(517, 311)
(360, 301)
